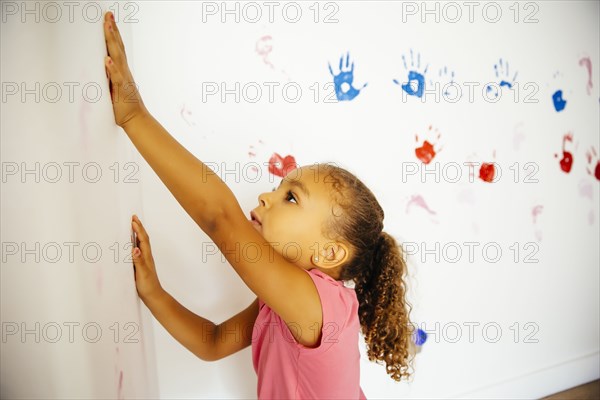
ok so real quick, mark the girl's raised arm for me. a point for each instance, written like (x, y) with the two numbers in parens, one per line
(195, 186)
(283, 286)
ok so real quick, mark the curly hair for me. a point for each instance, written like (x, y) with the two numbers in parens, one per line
(377, 269)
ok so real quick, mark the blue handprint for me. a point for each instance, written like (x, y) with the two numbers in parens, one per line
(503, 73)
(343, 81)
(415, 78)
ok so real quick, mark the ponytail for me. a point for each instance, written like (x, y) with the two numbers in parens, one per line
(383, 316)
(377, 269)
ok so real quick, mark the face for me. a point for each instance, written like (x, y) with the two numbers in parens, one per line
(292, 216)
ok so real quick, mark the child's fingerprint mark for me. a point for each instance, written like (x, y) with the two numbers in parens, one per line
(567, 158)
(420, 202)
(280, 166)
(587, 63)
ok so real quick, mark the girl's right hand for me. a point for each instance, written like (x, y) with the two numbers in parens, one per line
(126, 98)
(146, 279)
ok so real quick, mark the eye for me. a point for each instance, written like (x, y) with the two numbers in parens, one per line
(291, 195)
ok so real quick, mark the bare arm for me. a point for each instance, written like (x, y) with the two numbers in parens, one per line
(206, 340)
(195, 186)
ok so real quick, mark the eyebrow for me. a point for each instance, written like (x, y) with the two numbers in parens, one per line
(297, 184)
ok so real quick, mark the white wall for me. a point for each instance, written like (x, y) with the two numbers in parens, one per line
(175, 55)
(72, 323)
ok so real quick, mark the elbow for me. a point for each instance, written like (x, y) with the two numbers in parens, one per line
(207, 358)
(209, 220)
(213, 359)
(219, 217)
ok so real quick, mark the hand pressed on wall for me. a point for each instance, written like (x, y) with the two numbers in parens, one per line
(146, 279)
(126, 98)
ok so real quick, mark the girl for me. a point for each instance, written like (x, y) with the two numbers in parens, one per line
(305, 322)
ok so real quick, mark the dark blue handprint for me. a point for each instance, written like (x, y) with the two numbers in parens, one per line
(343, 81)
(415, 86)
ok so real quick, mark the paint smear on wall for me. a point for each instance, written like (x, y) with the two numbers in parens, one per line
(566, 162)
(518, 136)
(587, 64)
(418, 201)
(252, 152)
(252, 149)
(264, 48)
(537, 210)
(586, 190)
(280, 166)
(118, 375)
(187, 116)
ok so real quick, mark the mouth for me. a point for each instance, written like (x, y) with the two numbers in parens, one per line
(254, 218)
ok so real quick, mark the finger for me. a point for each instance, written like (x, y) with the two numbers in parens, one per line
(115, 75)
(136, 253)
(110, 18)
(142, 253)
(112, 42)
(142, 235)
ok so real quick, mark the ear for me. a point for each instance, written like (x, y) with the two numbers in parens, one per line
(332, 255)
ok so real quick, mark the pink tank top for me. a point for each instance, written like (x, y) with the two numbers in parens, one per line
(288, 370)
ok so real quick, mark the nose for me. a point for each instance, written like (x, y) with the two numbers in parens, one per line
(263, 199)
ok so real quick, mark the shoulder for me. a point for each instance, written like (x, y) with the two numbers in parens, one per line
(338, 306)
(336, 296)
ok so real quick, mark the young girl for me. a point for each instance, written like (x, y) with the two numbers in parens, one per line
(320, 228)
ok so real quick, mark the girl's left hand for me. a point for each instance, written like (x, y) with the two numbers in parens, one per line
(126, 99)
(146, 279)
